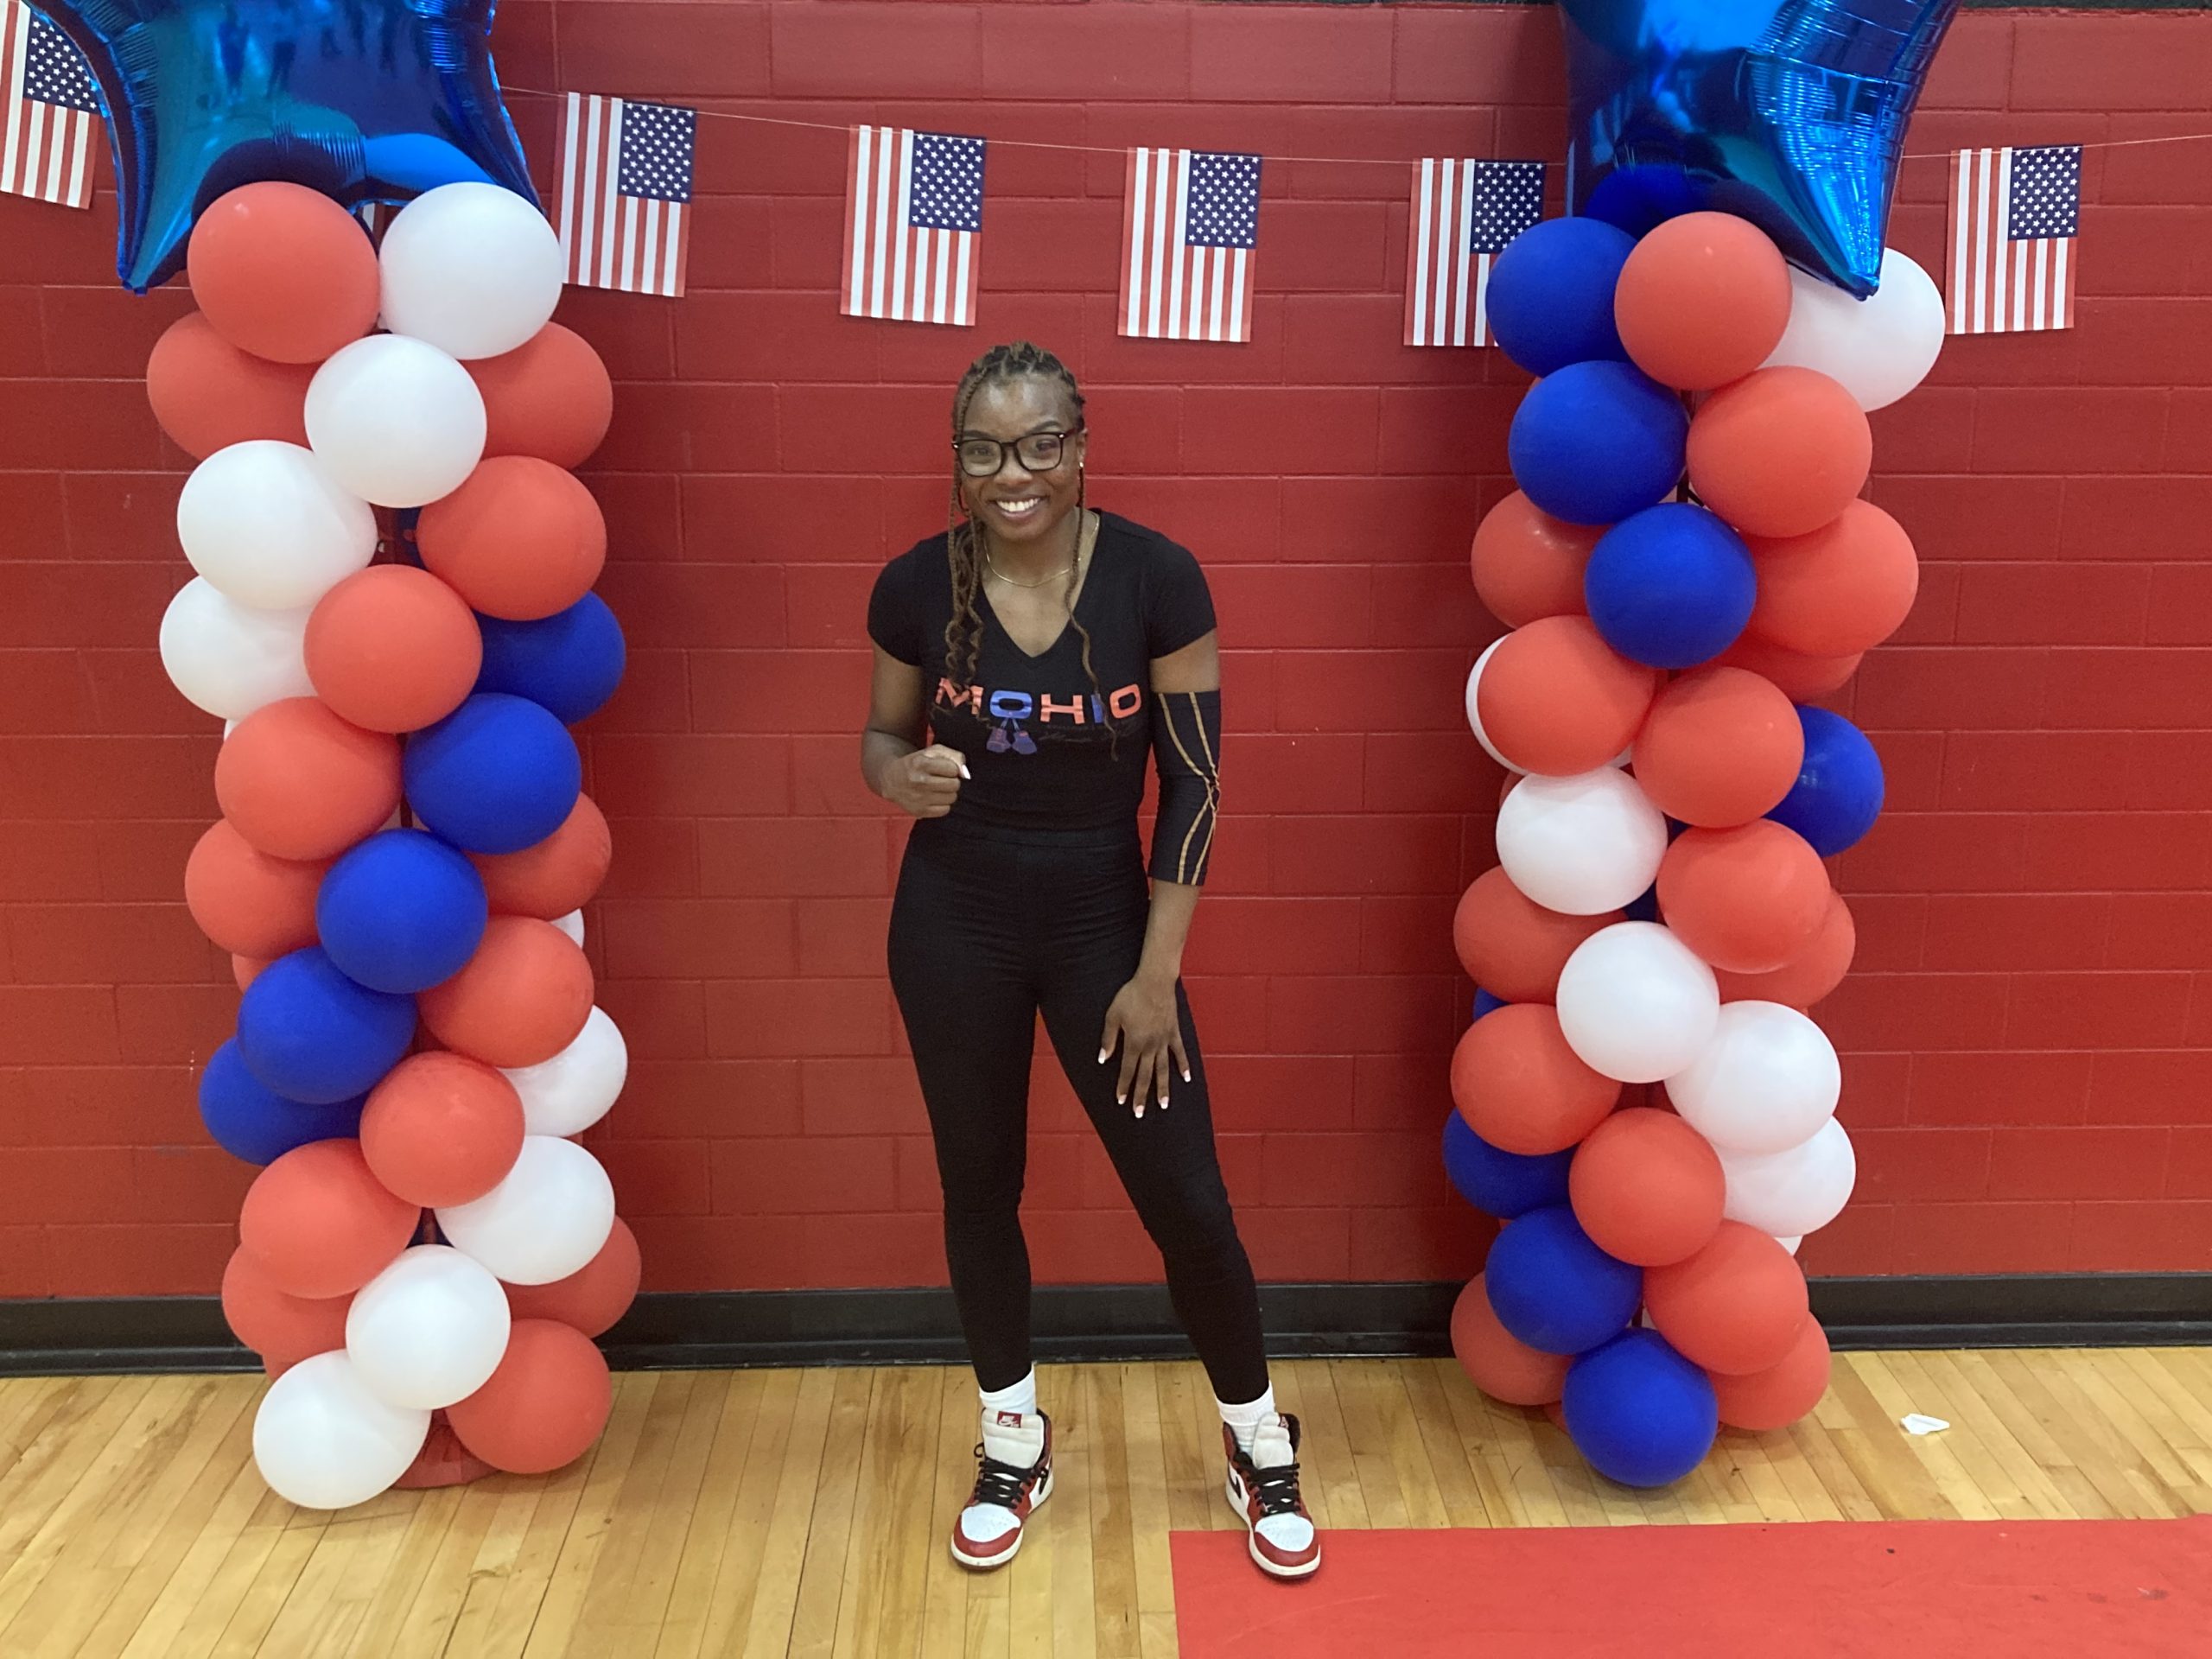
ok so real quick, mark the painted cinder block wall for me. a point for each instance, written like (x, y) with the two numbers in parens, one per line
(2026, 1033)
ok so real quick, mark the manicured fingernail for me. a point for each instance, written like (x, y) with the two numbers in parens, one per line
(964, 771)
(1187, 1074)
(1102, 1053)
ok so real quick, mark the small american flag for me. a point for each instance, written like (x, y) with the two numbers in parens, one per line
(51, 110)
(2014, 216)
(1464, 213)
(1188, 241)
(913, 225)
(626, 193)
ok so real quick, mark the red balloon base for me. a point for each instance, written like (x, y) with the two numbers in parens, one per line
(444, 1461)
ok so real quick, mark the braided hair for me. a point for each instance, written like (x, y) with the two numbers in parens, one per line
(964, 541)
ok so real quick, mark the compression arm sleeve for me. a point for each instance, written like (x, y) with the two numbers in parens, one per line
(1186, 747)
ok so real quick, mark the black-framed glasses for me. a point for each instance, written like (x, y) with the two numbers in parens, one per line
(1038, 452)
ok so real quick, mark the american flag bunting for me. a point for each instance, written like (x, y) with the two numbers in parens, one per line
(626, 193)
(53, 111)
(1464, 213)
(913, 225)
(1190, 245)
(2015, 215)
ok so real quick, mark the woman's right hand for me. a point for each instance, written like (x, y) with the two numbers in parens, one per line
(926, 782)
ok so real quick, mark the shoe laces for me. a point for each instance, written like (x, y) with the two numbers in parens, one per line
(1276, 1488)
(998, 1482)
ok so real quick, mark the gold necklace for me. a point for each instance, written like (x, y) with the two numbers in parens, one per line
(1082, 535)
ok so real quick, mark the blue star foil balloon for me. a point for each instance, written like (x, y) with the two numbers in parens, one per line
(1790, 113)
(364, 100)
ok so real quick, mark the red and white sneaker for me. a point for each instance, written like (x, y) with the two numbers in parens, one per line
(1262, 1487)
(989, 1531)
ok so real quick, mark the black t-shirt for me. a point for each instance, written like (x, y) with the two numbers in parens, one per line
(1036, 737)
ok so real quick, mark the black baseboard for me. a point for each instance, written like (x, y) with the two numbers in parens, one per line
(1103, 1322)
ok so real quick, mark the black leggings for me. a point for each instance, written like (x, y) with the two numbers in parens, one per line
(992, 927)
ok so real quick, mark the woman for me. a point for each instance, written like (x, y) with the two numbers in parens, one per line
(1045, 646)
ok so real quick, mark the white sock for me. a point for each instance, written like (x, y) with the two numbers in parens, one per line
(1009, 1421)
(1244, 1420)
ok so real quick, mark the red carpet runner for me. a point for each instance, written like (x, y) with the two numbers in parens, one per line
(1919, 1589)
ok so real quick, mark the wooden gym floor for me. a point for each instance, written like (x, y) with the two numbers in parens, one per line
(804, 1512)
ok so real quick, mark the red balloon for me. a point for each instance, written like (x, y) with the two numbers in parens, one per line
(1647, 1187)
(1521, 1087)
(1799, 678)
(284, 272)
(393, 649)
(1842, 589)
(1498, 1363)
(549, 398)
(271, 1320)
(1702, 301)
(1528, 564)
(557, 875)
(250, 904)
(519, 1001)
(442, 1129)
(595, 1296)
(1780, 452)
(208, 395)
(1808, 977)
(1556, 699)
(1512, 946)
(1779, 1395)
(544, 1407)
(245, 969)
(1721, 746)
(299, 783)
(520, 539)
(317, 1224)
(1748, 900)
(1735, 1307)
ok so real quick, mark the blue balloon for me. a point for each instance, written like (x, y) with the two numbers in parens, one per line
(400, 911)
(497, 775)
(1597, 442)
(1550, 298)
(1556, 1290)
(1670, 587)
(1642, 1414)
(568, 664)
(250, 1123)
(1790, 113)
(1501, 1184)
(307, 1032)
(1838, 794)
(364, 100)
(1485, 1003)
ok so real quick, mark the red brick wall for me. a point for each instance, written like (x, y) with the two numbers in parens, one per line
(2027, 1079)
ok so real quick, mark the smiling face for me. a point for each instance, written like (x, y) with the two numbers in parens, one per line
(1022, 508)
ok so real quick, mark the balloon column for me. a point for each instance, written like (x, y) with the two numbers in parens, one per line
(1660, 914)
(404, 848)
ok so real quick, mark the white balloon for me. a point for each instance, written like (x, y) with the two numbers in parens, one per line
(1474, 716)
(229, 659)
(472, 268)
(1636, 1003)
(396, 420)
(1792, 1193)
(1880, 348)
(1580, 845)
(429, 1329)
(572, 925)
(545, 1220)
(1791, 1244)
(573, 1090)
(1766, 1082)
(266, 522)
(323, 1441)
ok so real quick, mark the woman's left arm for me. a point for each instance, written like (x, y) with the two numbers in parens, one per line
(1144, 1020)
